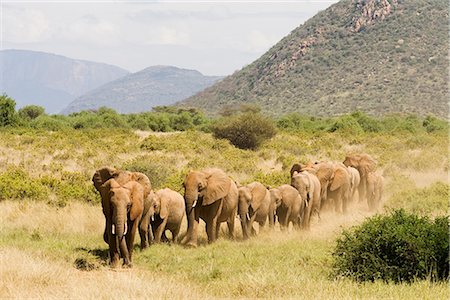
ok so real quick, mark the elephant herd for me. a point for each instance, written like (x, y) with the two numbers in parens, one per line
(129, 204)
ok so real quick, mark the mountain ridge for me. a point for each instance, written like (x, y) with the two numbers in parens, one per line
(50, 80)
(141, 91)
(377, 56)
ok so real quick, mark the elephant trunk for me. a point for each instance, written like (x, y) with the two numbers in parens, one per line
(191, 199)
(245, 218)
(119, 228)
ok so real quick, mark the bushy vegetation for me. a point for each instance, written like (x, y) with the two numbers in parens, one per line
(399, 247)
(245, 130)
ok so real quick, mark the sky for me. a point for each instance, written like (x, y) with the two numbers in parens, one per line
(213, 37)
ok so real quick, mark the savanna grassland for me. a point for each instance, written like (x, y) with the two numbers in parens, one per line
(51, 227)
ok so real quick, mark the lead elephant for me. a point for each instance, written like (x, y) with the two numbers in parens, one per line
(212, 196)
(308, 186)
(365, 164)
(123, 205)
(291, 206)
(253, 206)
(375, 187)
(166, 212)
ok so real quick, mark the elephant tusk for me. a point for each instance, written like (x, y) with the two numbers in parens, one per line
(113, 229)
(194, 204)
(248, 216)
(126, 229)
(152, 218)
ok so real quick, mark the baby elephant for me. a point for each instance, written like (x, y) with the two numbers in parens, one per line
(166, 213)
(290, 206)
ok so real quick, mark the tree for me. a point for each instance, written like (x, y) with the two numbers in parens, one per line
(7, 111)
(31, 112)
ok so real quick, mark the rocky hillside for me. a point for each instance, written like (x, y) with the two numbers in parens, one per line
(50, 80)
(378, 56)
(137, 92)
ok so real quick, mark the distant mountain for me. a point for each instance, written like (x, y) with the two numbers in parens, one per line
(50, 80)
(138, 92)
(378, 56)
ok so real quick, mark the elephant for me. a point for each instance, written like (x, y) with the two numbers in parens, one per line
(334, 182)
(275, 202)
(212, 196)
(291, 207)
(375, 187)
(365, 164)
(167, 210)
(355, 179)
(123, 197)
(308, 186)
(253, 205)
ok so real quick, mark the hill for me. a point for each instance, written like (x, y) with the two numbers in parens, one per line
(377, 56)
(50, 80)
(140, 91)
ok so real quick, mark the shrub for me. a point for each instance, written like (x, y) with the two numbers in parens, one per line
(15, 183)
(346, 125)
(432, 124)
(399, 247)
(31, 112)
(7, 111)
(245, 131)
(48, 123)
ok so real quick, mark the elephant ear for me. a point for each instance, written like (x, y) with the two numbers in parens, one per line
(367, 164)
(143, 180)
(340, 178)
(163, 206)
(295, 168)
(217, 187)
(137, 199)
(259, 194)
(101, 176)
(324, 172)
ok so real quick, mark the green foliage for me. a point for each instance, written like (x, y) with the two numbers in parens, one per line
(7, 111)
(397, 247)
(433, 124)
(15, 183)
(31, 112)
(245, 131)
(51, 123)
(346, 125)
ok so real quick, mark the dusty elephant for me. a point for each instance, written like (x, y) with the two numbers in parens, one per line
(166, 212)
(123, 202)
(334, 181)
(355, 179)
(291, 206)
(365, 164)
(212, 196)
(308, 186)
(375, 187)
(253, 206)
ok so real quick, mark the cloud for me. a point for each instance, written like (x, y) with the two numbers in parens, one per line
(91, 29)
(22, 25)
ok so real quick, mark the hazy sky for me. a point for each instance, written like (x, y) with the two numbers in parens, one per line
(214, 37)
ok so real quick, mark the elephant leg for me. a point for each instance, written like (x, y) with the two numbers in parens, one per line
(250, 225)
(362, 190)
(130, 236)
(124, 251)
(175, 233)
(211, 226)
(144, 232)
(105, 232)
(160, 231)
(113, 253)
(307, 218)
(288, 217)
(230, 224)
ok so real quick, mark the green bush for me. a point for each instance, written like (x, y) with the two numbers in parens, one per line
(432, 124)
(245, 131)
(347, 125)
(7, 111)
(15, 183)
(31, 112)
(48, 123)
(398, 247)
